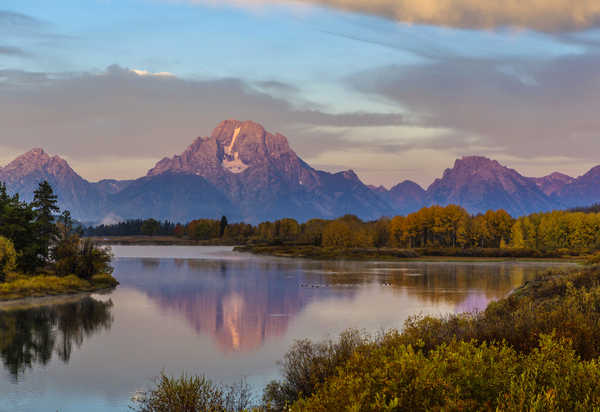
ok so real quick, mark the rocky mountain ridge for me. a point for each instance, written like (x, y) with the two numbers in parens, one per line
(249, 174)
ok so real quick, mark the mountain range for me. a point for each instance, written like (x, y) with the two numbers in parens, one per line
(246, 173)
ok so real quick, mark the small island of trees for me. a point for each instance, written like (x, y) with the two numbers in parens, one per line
(42, 252)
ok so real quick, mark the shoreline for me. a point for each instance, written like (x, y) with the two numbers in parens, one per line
(359, 255)
(156, 241)
(49, 300)
(391, 255)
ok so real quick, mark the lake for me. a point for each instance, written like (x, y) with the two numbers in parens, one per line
(208, 310)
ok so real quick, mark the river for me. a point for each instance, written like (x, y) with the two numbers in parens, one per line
(212, 311)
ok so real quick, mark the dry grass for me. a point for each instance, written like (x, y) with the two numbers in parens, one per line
(21, 286)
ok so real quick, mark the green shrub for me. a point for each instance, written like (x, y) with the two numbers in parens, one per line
(92, 260)
(191, 394)
(307, 364)
(104, 280)
(8, 258)
(461, 376)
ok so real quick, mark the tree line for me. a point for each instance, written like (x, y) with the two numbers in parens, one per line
(133, 227)
(36, 238)
(431, 227)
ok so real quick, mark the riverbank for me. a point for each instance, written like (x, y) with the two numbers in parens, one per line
(430, 254)
(36, 302)
(19, 287)
(158, 241)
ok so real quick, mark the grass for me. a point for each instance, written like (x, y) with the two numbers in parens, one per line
(20, 286)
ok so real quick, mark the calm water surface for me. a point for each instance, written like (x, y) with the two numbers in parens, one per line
(227, 315)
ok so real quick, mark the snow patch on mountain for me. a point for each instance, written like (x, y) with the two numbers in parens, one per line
(229, 148)
(236, 165)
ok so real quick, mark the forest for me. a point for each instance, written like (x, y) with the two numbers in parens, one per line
(434, 230)
(42, 251)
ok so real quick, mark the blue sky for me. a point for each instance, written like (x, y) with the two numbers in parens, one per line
(389, 98)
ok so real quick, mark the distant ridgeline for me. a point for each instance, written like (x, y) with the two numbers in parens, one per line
(431, 227)
(251, 175)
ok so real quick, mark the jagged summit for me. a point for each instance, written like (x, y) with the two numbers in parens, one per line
(23, 175)
(35, 160)
(480, 184)
(259, 172)
(233, 147)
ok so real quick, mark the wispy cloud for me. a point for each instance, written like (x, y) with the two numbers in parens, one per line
(148, 73)
(12, 51)
(15, 19)
(540, 15)
(518, 107)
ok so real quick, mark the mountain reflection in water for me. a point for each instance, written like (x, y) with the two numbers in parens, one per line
(243, 303)
(33, 336)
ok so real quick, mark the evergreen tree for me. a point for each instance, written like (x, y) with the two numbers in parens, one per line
(223, 226)
(45, 206)
(16, 224)
(150, 227)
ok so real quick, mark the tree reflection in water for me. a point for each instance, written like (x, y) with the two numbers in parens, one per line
(32, 336)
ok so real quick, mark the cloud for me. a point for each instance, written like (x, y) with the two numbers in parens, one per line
(539, 15)
(14, 19)
(12, 51)
(120, 115)
(147, 73)
(518, 107)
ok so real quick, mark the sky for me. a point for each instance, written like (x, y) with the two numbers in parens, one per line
(393, 89)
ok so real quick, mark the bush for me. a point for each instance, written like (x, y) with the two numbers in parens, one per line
(8, 258)
(93, 260)
(72, 255)
(190, 394)
(306, 365)
(104, 280)
(461, 376)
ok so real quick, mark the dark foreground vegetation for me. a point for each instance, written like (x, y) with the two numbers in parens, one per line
(42, 254)
(536, 350)
(433, 231)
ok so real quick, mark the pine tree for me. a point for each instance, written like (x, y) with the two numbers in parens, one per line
(223, 226)
(45, 206)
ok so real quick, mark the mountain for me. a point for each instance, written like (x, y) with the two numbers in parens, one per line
(406, 197)
(24, 174)
(259, 173)
(171, 196)
(552, 183)
(246, 173)
(111, 186)
(479, 184)
(583, 191)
